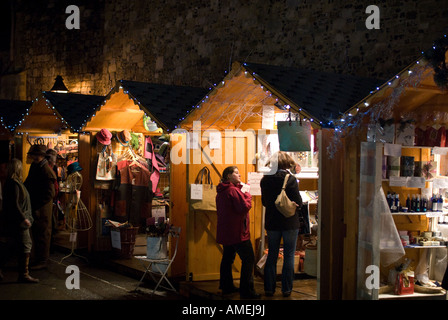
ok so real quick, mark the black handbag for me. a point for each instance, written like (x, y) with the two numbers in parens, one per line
(304, 219)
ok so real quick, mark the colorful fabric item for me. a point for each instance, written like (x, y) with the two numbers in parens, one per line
(133, 201)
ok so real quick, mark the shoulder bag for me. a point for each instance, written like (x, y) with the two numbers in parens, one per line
(283, 204)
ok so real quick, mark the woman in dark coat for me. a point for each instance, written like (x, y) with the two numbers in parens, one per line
(40, 184)
(233, 207)
(17, 219)
(277, 225)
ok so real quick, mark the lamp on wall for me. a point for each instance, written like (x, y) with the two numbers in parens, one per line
(59, 85)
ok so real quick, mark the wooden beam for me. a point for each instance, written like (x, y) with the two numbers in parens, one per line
(332, 228)
(426, 88)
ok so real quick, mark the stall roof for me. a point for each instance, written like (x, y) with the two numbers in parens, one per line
(410, 94)
(12, 111)
(57, 112)
(325, 96)
(237, 101)
(75, 108)
(128, 102)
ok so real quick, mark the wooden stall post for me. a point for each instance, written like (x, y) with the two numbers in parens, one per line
(331, 219)
(87, 190)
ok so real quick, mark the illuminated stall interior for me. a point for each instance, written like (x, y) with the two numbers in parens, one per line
(146, 112)
(54, 119)
(408, 113)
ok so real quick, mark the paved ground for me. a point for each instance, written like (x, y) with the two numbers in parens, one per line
(95, 283)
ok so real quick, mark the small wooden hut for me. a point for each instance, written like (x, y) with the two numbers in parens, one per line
(412, 104)
(248, 101)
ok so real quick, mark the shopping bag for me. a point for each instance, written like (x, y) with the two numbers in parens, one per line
(207, 200)
(294, 136)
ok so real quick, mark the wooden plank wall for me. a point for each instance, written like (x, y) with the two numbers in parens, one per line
(179, 208)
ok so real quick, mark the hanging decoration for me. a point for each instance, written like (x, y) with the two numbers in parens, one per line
(371, 115)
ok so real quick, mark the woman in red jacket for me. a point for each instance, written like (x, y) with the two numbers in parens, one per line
(233, 207)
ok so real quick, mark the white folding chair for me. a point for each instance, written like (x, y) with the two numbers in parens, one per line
(149, 264)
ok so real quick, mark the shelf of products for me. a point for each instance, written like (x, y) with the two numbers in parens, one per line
(413, 182)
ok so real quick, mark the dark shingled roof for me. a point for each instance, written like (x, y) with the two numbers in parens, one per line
(13, 111)
(168, 104)
(323, 95)
(75, 108)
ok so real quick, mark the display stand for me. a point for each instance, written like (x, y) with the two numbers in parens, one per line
(78, 218)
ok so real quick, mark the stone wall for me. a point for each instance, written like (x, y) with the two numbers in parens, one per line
(194, 42)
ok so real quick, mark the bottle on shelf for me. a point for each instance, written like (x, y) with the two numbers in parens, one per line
(397, 203)
(408, 202)
(413, 203)
(417, 204)
(440, 203)
(434, 203)
(424, 204)
(389, 201)
(393, 207)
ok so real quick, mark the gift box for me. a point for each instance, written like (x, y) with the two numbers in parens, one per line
(404, 283)
(406, 166)
(393, 166)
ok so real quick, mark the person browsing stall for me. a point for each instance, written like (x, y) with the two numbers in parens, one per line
(277, 225)
(233, 233)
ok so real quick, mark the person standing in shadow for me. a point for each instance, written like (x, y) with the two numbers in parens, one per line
(16, 220)
(40, 184)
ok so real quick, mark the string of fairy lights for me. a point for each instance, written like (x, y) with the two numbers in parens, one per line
(354, 117)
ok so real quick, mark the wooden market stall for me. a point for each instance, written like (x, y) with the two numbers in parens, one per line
(146, 112)
(54, 119)
(395, 146)
(236, 124)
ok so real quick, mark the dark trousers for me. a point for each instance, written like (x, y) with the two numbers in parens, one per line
(246, 254)
(41, 232)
